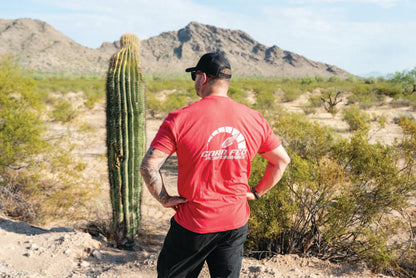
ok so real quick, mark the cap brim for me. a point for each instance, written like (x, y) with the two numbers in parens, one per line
(190, 69)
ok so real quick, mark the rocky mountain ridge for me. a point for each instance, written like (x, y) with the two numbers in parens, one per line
(38, 46)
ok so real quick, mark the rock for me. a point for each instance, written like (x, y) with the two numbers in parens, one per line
(28, 254)
(34, 247)
(97, 254)
(62, 230)
(84, 264)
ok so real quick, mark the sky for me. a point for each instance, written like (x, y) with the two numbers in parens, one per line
(359, 36)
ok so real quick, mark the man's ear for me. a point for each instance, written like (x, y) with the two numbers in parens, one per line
(205, 78)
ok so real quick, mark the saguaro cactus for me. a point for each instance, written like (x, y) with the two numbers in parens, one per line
(125, 138)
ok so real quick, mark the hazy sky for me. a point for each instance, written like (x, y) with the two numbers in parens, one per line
(360, 36)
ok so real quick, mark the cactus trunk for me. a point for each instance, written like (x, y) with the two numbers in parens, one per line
(125, 138)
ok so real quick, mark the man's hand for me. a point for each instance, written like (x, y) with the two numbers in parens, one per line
(174, 202)
(250, 196)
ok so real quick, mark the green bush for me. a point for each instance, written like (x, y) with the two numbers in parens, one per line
(334, 79)
(340, 199)
(308, 81)
(368, 95)
(93, 89)
(314, 102)
(356, 118)
(64, 111)
(238, 95)
(175, 101)
(153, 104)
(406, 80)
(265, 101)
(39, 177)
(21, 130)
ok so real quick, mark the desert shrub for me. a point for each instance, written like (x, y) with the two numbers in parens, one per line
(46, 190)
(406, 80)
(404, 100)
(265, 101)
(351, 78)
(153, 104)
(160, 85)
(314, 102)
(386, 89)
(368, 95)
(175, 101)
(356, 118)
(334, 79)
(93, 88)
(308, 81)
(320, 78)
(330, 98)
(63, 111)
(291, 93)
(340, 199)
(238, 94)
(370, 80)
(178, 93)
(21, 130)
(39, 177)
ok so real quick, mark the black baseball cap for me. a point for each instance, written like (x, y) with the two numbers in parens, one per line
(212, 63)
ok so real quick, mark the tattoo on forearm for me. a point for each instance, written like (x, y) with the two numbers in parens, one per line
(150, 170)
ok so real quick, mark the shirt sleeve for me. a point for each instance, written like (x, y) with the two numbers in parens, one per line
(270, 140)
(165, 140)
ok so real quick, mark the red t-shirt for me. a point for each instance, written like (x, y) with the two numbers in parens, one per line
(215, 140)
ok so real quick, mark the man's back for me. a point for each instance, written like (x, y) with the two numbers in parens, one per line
(215, 139)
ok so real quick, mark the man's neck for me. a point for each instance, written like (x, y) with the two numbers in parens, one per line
(222, 92)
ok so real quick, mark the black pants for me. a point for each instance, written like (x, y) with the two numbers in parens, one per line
(184, 253)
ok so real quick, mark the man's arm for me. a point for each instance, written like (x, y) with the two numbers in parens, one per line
(150, 170)
(277, 159)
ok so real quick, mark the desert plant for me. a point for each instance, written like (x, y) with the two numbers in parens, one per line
(21, 128)
(340, 199)
(331, 97)
(63, 111)
(314, 102)
(39, 177)
(238, 95)
(406, 79)
(356, 118)
(125, 138)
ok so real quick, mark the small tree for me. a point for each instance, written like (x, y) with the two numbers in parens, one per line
(407, 80)
(330, 99)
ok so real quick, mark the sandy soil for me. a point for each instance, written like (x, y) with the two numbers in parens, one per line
(59, 251)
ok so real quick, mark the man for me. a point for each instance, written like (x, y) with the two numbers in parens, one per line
(215, 139)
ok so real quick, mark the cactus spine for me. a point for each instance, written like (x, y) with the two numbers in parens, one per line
(125, 138)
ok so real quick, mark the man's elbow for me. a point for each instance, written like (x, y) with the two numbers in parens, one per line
(144, 169)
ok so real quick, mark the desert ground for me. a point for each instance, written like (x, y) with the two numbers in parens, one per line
(64, 249)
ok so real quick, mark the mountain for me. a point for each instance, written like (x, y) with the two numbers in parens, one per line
(38, 46)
